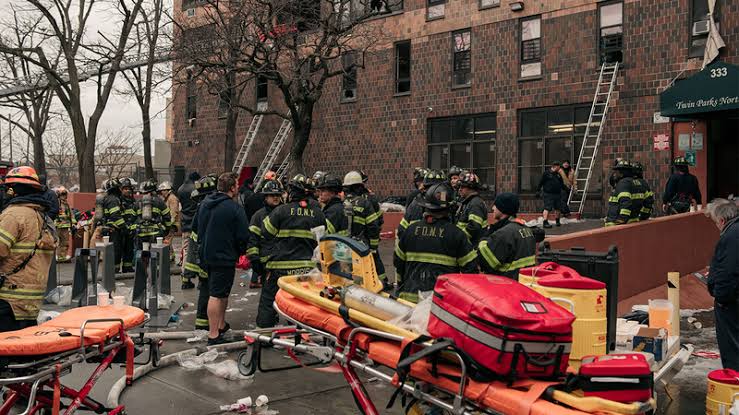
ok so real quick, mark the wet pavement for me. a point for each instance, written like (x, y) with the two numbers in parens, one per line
(173, 390)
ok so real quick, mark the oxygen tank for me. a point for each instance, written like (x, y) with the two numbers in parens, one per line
(99, 209)
(146, 207)
(349, 212)
(357, 298)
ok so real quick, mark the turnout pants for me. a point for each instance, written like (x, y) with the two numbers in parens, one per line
(266, 314)
(8, 321)
(201, 316)
(128, 252)
(61, 251)
(727, 334)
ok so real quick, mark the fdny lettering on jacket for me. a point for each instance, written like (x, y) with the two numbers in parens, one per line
(429, 231)
(301, 211)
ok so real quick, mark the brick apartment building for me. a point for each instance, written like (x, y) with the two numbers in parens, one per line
(504, 87)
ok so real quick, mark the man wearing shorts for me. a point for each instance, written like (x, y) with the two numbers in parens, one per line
(550, 187)
(222, 231)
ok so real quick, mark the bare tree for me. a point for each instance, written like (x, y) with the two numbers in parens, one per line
(148, 42)
(33, 104)
(117, 154)
(296, 45)
(84, 56)
(61, 160)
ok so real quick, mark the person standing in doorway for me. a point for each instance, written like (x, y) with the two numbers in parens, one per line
(723, 280)
(682, 190)
(568, 179)
(223, 234)
(551, 187)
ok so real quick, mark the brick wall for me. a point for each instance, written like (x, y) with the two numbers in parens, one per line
(386, 135)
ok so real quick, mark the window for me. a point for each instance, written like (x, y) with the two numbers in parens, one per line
(486, 4)
(351, 11)
(551, 134)
(699, 26)
(403, 67)
(531, 47)
(462, 58)
(262, 89)
(435, 9)
(191, 105)
(467, 142)
(189, 4)
(349, 80)
(611, 18)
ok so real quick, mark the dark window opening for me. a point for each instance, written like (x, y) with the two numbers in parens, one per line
(435, 9)
(462, 70)
(191, 105)
(467, 142)
(262, 89)
(349, 79)
(531, 47)
(552, 134)
(611, 41)
(403, 67)
(699, 24)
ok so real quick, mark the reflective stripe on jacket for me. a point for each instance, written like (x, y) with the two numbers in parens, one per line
(510, 247)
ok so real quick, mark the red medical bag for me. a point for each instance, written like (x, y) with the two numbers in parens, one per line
(618, 377)
(502, 325)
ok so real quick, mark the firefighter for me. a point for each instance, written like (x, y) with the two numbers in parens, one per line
(110, 221)
(65, 222)
(432, 246)
(638, 193)
(173, 204)
(329, 191)
(682, 190)
(153, 215)
(128, 205)
(414, 211)
(317, 178)
(510, 244)
(192, 266)
(472, 216)
(363, 220)
(648, 195)
(187, 211)
(287, 229)
(272, 191)
(620, 203)
(27, 242)
(418, 174)
(367, 193)
(454, 175)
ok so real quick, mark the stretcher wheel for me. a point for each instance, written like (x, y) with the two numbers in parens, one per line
(246, 364)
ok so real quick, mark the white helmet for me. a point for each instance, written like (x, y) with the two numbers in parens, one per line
(352, 178)
(164, 186)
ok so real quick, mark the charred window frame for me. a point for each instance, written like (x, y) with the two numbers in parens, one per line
(403, 68)
(191, 103)
(349, 78)
(462, 58)
(262, 89)
(611, 30)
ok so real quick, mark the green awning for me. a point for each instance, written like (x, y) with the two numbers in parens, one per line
(715, 88)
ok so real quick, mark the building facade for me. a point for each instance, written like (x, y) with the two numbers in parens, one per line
(504, 88)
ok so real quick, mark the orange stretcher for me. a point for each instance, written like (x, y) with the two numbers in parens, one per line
(446, 384)
(33, 360)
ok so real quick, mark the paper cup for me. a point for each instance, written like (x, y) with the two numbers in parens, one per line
(103, 299)
(145, 245)
(119, 300)
(106, 239)
(160, 240)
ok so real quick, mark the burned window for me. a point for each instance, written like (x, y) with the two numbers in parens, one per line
(403, 67)
(349, 79)
(699, 27)
(191, 104)
(610, 43)
(262, 89)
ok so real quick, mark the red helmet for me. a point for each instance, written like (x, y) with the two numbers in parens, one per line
(23, 175)
(270, 175)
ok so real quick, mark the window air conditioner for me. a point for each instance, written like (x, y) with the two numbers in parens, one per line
(191, 122)
(700, 28)
(190, 12)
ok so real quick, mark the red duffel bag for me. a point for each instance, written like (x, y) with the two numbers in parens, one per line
(504, 326)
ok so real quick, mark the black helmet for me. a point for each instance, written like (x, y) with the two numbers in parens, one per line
(149, 186)
(272, 187)
(433, 177)
(418, 174)
(454, 171)
(680, 161)
(113, 184)
(299, 183)
(624, 165)
(318, 177)
(126, 182)
(638, 169)
(204, 185)
(330, 182)
(438, 197)
(470, 180)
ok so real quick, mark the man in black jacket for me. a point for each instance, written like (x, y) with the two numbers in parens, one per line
(551, 186)
(287, 230)
(223, 235)
(682, 190)
(472, 213)
(257, 247)
(187, 212)
(723, 281)
(333, 207)
(621, 202)
(511, 245)
(418, 174)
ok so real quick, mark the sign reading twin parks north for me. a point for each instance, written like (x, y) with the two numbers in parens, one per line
(715, 88)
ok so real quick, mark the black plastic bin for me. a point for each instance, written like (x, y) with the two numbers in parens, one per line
(601, 266)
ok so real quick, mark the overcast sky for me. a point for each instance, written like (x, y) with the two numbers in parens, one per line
(122, 112)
